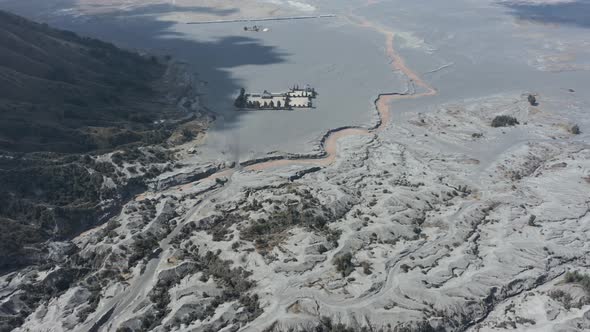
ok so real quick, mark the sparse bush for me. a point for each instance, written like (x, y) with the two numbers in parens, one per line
(220, 233)
(343, 264)
(234, 280)
(531, 221)
(117, 158)
(333, 236)
(405, 268)
(266, 232)
(326, 325)
(579, 278)
(366, 267)
(532, 100)
(105, 168)
(187, 134)
(142, 247)
(504, 121)
(564, 298)
(251, 305)
(575, 129)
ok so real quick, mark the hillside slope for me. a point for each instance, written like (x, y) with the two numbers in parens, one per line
(56, 88)
(83, 124)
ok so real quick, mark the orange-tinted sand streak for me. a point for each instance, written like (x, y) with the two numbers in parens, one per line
(382, 104)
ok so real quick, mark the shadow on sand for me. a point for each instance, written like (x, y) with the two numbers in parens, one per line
(170, 8)
(575, 13)
(140, 28)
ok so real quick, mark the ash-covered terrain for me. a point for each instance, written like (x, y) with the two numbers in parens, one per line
(415, 228)
(465, 208)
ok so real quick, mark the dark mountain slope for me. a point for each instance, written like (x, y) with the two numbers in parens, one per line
(66, 103)
(56, 86)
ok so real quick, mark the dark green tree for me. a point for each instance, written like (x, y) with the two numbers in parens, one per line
(242, 99)
(532, 100)
(504, 121)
